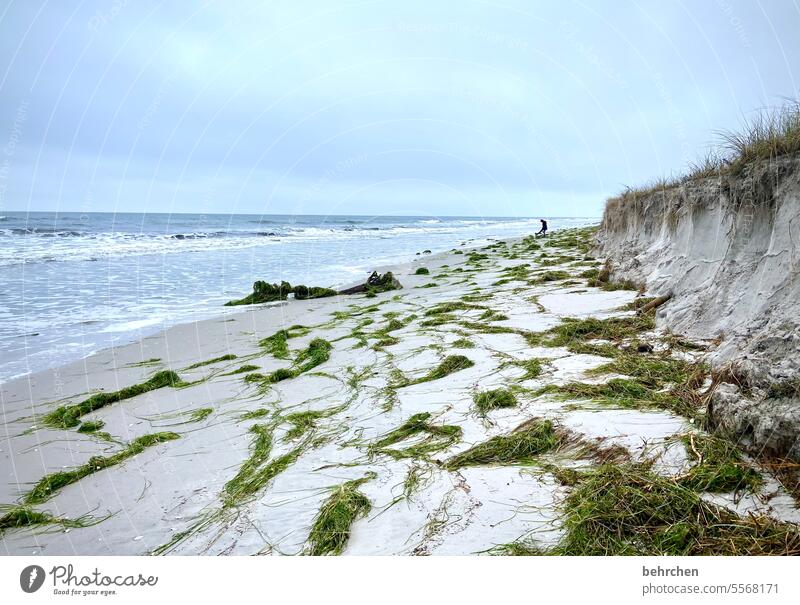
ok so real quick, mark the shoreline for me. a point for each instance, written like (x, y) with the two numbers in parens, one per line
(141, 333)
(404, 401)
(225, 312)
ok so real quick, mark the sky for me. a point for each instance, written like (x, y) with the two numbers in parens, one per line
(512, 108)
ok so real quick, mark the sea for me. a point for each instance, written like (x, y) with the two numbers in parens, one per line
(75, 283)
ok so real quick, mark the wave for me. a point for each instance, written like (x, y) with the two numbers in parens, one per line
(34, 244)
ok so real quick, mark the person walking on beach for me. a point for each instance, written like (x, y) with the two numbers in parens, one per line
(543, 230)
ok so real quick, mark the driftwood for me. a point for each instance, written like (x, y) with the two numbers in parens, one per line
(656, 302)
(265, 292)
(375, 283)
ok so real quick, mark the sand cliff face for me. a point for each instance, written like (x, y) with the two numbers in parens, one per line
(728, 249)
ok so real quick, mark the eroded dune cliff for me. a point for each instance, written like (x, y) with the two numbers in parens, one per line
(726, 248)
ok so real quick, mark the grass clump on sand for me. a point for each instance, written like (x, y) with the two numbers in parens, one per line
(491, 400)
(277, 345)
(331, 529)
(719, 466)
(450, 365)
(422, 271)
(519, 447)
(626, 509)
(492, 315)
(549, 276)
(570, 331)
(200, 414)
(91, 426)
(257, 471)
(454, 305)
(208, 362)
(253, 414)
(308, 292)
(68, 416)
(532, 367)
(436, 438)
(650, 370)
(50, 484)
(463, 343)
(242, 370)
(302, 422)
(263, 292)
(317, 352)
(633, 394)
(17, 517)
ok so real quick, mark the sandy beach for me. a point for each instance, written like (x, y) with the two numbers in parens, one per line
(387, 422)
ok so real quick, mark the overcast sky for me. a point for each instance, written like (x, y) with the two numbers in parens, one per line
(512, 108)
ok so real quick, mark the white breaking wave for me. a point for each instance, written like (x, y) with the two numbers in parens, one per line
(48, 246)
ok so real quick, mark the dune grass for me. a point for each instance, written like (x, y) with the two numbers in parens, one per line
(769, 135)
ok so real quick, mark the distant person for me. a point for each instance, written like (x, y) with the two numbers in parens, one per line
(543, 230)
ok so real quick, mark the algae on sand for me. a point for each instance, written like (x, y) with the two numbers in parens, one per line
(626, 509)
(521, 446)
(68, 416)
(486, 401)
(317, 352)
(435, 438)
(331, 529)
(719, 466)
(18, 517)
(50, 484)
(449, 365)
(258, 470)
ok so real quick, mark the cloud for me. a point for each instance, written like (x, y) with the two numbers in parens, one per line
(474, 107)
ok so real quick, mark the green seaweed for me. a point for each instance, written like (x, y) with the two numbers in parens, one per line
(435, 438)
(519, 447)
(486, 401)
(626, 509)
(719, 466)
(52, 483)
(208, 362)
(449, 365)
(331, 529)
(68, 416)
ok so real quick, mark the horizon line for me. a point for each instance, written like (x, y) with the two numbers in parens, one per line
(285, 214)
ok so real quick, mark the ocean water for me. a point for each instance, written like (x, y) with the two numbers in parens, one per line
(76, 283)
